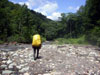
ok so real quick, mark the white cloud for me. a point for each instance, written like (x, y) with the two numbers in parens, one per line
(70, 7)
(32, 3)
(54, 16)
(77, 8)
(47, 8)
(73, 8)
(29, 3)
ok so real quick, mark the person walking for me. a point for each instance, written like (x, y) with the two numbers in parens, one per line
(36, 45)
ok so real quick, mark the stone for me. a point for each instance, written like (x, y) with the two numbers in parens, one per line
(19, 67)
(24, 69)
(22, 65)
(26, 74)
(21, 55)
(26, 48)
(6, 72)
(12, 64)
(4, 58)
(4, 61)
(11, 52)
(92, 54)
(55, 73)
(25, 56)
(98, 59)
(32, 60)
(22, 61)
(47, 74)
(15, 54)
(4, 53)
(3, 66)
(9, 61)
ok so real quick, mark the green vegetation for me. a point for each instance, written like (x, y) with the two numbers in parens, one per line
(18, 23)
(1, 42)
(80, 40)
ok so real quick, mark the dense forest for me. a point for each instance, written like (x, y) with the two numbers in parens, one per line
(18, 23)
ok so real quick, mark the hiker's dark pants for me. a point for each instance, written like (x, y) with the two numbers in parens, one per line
(36, 49)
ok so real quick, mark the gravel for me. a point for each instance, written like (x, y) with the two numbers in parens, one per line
(53, 60)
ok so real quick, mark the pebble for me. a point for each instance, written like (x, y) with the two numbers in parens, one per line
(13, 64)
(22, 61)
(15, 54)
(9, 61)
(55, 73)
(10, 66)
(33, 60)
(24, 58)
(6, 72)
(4, 61)
(4, 53)
(19, 67)
(26, 48)
(98, 59)
(3, 66)
(21, 55)
(22, 65)
(92, 54)
(11, 52)
(4, 58)
(46, 74)
(24, 69)
(26, 74)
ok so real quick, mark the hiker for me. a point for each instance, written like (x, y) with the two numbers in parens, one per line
(36, 45)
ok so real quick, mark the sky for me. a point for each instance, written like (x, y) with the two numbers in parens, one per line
(52, 8)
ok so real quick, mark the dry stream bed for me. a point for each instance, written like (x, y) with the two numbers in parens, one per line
(54, 59)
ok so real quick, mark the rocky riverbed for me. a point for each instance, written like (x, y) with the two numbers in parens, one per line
(53, 60)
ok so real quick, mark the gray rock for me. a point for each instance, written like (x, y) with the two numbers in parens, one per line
(9, 61)
(93, 54)
(22, 61)
(4, 58)
(24, 69)
(10, 66)
(6, 72)
(98, 59)
(4, 61)
(22, 65)
(3, 66)
(19, 67)
(32, 60)
(21, 55)
(26, 74)
(4, 53)
(46, 74)
(11, 52)
(15, 54)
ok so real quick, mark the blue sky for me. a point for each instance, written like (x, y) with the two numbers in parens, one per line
(52, 8)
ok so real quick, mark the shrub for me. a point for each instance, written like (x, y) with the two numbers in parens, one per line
(16, 38)
(80, 40)
(93, 36)
(43, 39)
(1, 42)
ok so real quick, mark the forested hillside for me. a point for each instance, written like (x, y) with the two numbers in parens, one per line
(18, 23)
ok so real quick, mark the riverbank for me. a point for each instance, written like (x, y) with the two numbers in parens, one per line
(54, 59)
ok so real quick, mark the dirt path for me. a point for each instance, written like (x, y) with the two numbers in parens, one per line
(54, 60)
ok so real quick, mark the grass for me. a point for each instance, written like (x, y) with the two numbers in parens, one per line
(1, 42)
(80, 40)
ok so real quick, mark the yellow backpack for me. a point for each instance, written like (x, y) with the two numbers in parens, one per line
(36, 40)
